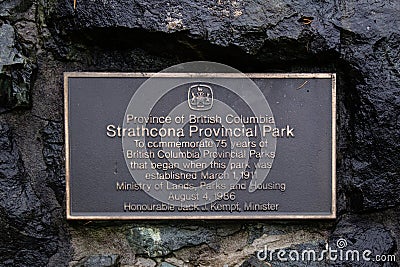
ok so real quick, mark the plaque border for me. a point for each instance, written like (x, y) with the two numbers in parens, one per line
(331, 76)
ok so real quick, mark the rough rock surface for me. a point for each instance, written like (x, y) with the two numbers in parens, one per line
(359, 40)
(363, 234)
(53, 156)
(16, 73)
(160, 241)
(254, 262)
(166, 264)
(17, 54)
(100, 261)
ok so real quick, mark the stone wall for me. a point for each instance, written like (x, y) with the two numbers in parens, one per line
(39, 40)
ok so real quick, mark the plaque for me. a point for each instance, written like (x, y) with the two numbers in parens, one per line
(200, 145)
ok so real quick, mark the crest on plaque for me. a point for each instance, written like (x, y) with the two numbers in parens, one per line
(200, 97)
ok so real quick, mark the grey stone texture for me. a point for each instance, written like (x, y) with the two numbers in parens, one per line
(39, 40)
(100, 261)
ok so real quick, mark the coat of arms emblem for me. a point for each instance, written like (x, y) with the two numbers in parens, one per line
(200, 97)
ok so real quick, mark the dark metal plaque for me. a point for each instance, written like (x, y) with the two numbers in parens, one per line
(200, 146)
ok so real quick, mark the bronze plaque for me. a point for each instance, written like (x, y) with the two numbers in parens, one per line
(200, 146)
